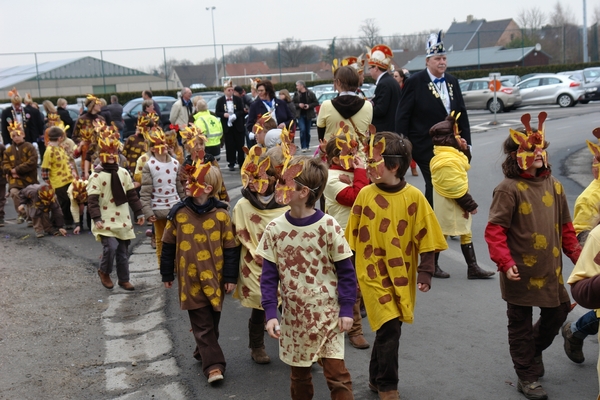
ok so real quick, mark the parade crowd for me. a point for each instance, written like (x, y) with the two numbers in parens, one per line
(317, 240)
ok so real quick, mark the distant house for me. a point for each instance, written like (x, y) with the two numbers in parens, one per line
(489, 57)
(474, 33)
(192, 75)
(77, 76)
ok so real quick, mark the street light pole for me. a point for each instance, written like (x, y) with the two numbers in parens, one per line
(212, 15)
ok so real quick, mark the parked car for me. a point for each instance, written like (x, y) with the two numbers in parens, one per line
(527, 76)
(575, 75)
(512, 79)
(321, 98)
(592, 91)
(591, 73)
(132, 108)
(320, 89)
(207, 95)
(477, 95)
(551, 89)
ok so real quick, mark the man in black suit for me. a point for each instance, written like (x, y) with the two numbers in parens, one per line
(427, 98)
(230, 109)
(387, 90)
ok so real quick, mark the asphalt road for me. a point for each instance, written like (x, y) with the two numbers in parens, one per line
(457, 348)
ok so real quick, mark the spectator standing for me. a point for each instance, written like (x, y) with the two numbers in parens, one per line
(116, 113)
(400, 76)
(239, 91)
(211, 127)
(387, 91)
(105, 112)
(182, 112)
(427, 98)
(305, 101)
(147, 95)
(230, 109)
(267, 102)
(61, 110)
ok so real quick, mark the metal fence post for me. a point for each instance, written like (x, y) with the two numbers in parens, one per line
(166, 74)
(37, 75)
(223, 58)
(102, 64)
(478, 53)
(279, 60)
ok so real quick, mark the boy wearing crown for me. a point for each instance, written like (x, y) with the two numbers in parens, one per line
(19, 163)
(230, 109)
(43, 209)
(387, 90)
(199, 249)
(529, 223)
(110, 194)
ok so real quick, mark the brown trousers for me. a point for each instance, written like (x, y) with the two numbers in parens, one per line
(337, 377)
(44, 224)
(205, 327)
(383, 368)
(2, 199)
(527, 341)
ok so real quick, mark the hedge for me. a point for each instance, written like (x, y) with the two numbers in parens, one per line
(124, 97)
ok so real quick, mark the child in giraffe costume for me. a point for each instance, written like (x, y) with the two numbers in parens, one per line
(305, 251)
(529, 222)
(346, 178)
(390, 225)
(250, 216)
(199, 249)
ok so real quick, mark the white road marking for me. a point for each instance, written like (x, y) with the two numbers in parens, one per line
(145, 347)
(173, 391)
(145, 323)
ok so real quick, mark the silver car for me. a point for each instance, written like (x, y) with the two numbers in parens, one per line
(551, 89)
(477, 95)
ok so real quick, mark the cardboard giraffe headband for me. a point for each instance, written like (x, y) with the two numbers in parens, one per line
(157, 140)
(15, 128)
(259, 126)
(254, 171)
(347, 145)
(286, 183)
(531, 144)
(192, 137)
(595, 150)
(80, 190)
(196, 177)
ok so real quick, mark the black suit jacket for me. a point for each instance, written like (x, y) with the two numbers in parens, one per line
(221, 109)
(33, 124)
(283, 113)
(385, 102)
(419, 110)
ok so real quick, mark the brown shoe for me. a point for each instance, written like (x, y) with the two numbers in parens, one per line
(373, 388)
(359, 342)
(532, 390)
(389, 395)
(105, 280)
(126, 285)
(215, 375)
(573, 346)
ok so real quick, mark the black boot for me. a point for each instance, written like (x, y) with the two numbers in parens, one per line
(473, 270)
(438, 271)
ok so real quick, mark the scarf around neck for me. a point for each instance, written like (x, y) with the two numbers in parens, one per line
(115, 183)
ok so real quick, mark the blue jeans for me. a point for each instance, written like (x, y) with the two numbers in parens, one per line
(586, 325)
(304, 126)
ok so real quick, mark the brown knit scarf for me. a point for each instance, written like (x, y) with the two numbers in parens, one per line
(115, 183)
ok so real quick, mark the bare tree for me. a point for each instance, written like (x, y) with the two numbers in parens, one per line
(596, 15)
(562, 15)
(159, 70)
(293, 52)
(413, 42)
(531, 19)
(369, 33)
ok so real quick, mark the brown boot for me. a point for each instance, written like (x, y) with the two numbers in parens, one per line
(414, 171)
(257, 343)
(105, 279)
(359, 342)
(126, 285)
(438, 271)
(573, 346)
(389, 395)
(473, 270)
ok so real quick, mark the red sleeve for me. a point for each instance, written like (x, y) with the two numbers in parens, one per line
(495, 236)
(570, 244)
(347, 196)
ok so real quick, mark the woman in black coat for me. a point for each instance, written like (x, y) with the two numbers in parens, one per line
(266, 102)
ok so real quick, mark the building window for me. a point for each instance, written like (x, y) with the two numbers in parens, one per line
(99, 89)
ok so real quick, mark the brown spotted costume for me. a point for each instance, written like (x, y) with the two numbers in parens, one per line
(134, 147)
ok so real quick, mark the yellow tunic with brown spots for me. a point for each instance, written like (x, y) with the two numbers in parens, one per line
(200, 242)
(134, 147)
(587, 208)
(533, 211)
(250, 223)
(388, 231)
(56, 160)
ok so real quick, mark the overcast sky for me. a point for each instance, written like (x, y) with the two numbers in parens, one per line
(66, 25)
